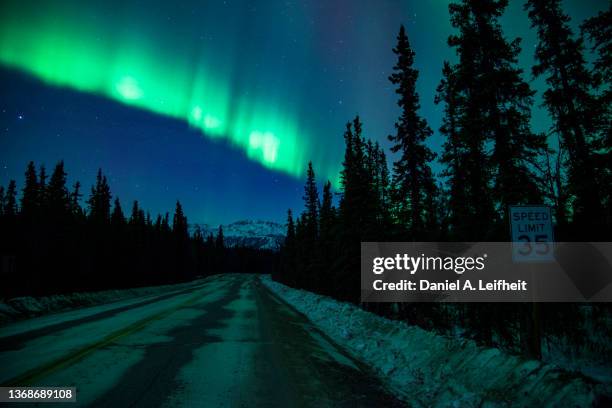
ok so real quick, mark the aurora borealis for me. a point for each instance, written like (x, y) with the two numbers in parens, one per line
(59, 46)
(267, 83)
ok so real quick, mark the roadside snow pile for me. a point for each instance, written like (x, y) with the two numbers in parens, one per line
(426, 369)
(27, 306)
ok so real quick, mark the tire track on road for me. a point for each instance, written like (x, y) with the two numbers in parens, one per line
(34, 375)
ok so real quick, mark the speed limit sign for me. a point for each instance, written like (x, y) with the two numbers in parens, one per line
(532, 233)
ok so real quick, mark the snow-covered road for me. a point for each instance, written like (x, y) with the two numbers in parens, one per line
(226, 342)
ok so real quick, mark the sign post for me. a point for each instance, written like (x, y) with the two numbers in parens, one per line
(532, 233)
(532, 241)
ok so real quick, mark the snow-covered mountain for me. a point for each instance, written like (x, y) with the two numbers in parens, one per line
(254, 234)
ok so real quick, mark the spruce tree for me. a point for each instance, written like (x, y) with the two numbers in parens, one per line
(197, 235)
(325, 243)
(219, 252)
(363, 188)
(490, 150)
(137, 218)
(473, 130)
(117, 217)
(290, 237)
(311, 203)
(10, 203)
(349, 200)
(358, 198)
(42, 187)
(179, 223)
(383, 182)
(454, 155)
(327, 212)
(560, 58)
(30, 193)
(58, 201)
(42, 177)
(134, 217)
(412, 176)
(302, 260)
(370, 202)
(288, 254)
(220, 239)
(310, 276)
(210, 241)
(75, 200)
(180, 233)
(506, 101)
(165, 226)
(347, 173)
(2, 202)
(100, 200)
(598, 30)
(357, 219)
(198, 249)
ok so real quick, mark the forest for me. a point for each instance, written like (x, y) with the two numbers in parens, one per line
(49, 244)
(491, 158)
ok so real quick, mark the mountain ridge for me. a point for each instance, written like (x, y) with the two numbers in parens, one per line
(259, 234)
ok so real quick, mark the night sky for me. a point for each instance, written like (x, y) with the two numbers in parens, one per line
(217, 103)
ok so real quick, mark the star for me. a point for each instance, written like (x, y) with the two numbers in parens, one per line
(20, 117)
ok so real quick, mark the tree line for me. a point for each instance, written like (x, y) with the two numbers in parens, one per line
(50, 244)
(491, 159)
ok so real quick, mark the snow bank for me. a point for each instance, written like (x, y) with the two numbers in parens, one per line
(26, 306)
(426, 369)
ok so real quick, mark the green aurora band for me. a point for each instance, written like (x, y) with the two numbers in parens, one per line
(130, 67)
